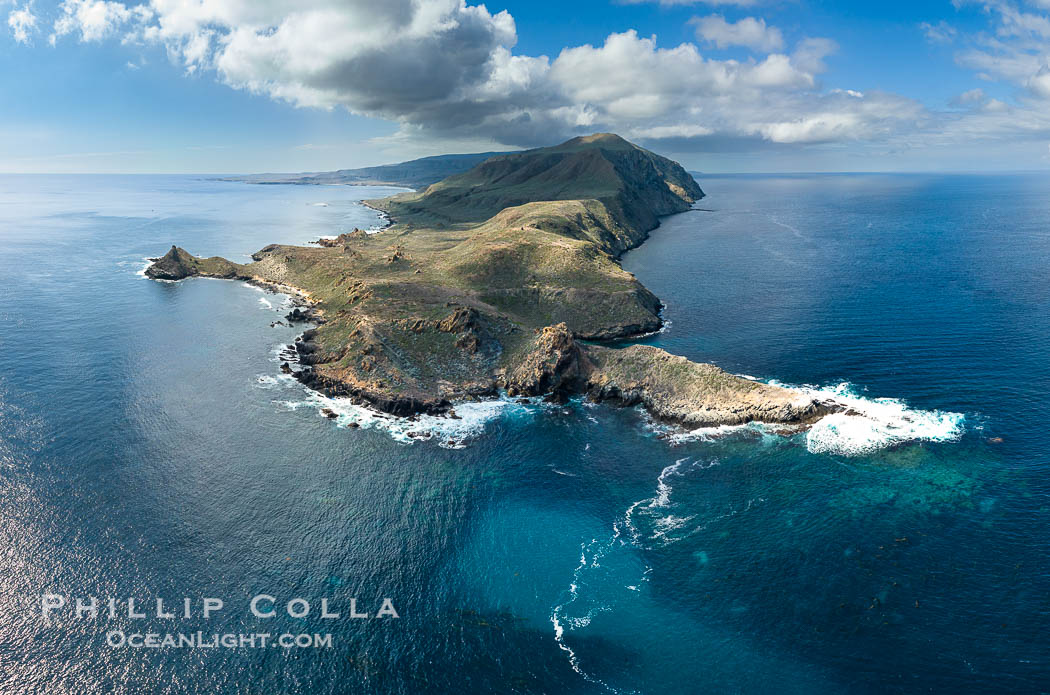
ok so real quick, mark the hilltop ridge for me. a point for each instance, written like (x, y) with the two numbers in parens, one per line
(414, 173)
(635, 185)
(501, 278)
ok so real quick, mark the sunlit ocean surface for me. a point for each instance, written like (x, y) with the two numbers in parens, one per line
(150, 447)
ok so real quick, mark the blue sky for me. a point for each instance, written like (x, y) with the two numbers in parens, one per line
(210, 86)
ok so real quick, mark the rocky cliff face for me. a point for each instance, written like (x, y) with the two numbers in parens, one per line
(490, 279)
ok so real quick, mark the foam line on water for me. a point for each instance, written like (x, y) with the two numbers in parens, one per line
(470, 422)
(560, 619)
(658, 510)
(677, 435)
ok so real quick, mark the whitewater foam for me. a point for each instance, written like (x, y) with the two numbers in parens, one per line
(265, 381)
(448, 432)
(870, 424)
(866, 425)
(141, 272)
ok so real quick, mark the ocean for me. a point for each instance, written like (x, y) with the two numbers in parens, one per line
(151, 448)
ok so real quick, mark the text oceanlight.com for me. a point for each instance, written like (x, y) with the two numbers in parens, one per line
(228, 640)
(261, 606)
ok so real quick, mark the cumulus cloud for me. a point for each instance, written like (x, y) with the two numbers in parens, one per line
(1039, 83)
(22, 22)
(849, 115)
(749, 32)
(678, 93)
(810, 53)
(445, 69)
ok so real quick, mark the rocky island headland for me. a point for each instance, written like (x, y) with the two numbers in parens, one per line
(504, 278)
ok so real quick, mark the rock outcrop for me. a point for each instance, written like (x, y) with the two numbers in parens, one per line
(177, 264)
(552, 363)
(693, 394)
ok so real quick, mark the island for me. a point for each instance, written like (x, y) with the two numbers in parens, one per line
(504, 279)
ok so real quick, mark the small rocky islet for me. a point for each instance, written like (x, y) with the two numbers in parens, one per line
(504, 278)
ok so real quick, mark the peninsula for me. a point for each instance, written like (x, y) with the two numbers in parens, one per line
(504, 278)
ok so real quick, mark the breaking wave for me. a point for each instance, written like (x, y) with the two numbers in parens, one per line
(870, 424)
(448, 432)
(866, 425)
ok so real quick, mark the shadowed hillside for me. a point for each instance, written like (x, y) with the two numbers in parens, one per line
(635, 185)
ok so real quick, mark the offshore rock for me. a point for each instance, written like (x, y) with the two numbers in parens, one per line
(177, 264)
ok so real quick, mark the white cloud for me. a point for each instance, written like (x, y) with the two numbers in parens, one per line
(941, 32)
(973, 96)
(1012, 51)
(809, 54)
(748, 32)
(22, 22)
(1039, 83)
(446, 71)
(662, 132)
(1016, 51)
(95, 20)
(677, 93)
(849, 116)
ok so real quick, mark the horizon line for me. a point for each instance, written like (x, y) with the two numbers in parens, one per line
(953, 172)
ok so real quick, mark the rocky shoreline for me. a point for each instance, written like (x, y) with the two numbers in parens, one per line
(480, 286)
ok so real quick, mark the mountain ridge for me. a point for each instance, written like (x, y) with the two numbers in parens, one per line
(413, 173)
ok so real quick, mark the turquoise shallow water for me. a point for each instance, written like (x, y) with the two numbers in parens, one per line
(149, 448)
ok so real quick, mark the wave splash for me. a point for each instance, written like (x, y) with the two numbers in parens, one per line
(870, 424)
(447, 432)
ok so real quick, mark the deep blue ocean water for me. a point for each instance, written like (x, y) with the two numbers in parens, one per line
(150, 448)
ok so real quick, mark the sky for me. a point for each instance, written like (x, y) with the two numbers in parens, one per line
(243, 86)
